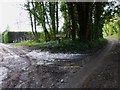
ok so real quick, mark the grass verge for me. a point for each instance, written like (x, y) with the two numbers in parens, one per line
(26, 43)
(66, 45)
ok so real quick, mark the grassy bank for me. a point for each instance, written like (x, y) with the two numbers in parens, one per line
(66, 45)
(26, 43)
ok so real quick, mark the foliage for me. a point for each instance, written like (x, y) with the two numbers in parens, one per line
(67, 45)
(82, 20)
(0, 37)
(83, 24)
(26, 43)
(112, 36)
(5, 37)
(111, 27)
(76, 46)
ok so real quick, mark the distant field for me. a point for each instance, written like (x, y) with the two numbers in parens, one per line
(113, 36)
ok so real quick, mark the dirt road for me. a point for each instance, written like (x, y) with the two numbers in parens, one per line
(23, 67)
(100, 72)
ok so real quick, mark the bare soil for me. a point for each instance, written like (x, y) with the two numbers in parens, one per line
(99, 70)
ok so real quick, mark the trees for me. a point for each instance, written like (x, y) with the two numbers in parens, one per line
(38, 12)
(111, 27)
(33, 22)
(66, 23)
(84, 15)
(111, 18)
(82, 20)
(46, 14)
(72, 19)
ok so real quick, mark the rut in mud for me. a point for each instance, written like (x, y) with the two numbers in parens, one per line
(22, 67)
(100, 72)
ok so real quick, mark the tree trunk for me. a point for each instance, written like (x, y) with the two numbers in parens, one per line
(47, 36)
(31, 19)
(57, 20)
(35, 28)
(72, 17)
(52, 16)
(98, 25)
(83, 17)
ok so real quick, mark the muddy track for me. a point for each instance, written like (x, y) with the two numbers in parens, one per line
(13, 61)
(100, 72)
(22, 67)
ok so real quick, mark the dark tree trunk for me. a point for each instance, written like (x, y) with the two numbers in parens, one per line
(31, 19)
(35, 28)
(52, 16)
(57, 20)
(83, 16)
(72, 17)
(47, 36)
(46, 15)
(98, 25)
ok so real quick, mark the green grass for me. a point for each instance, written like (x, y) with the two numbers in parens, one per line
(112, 36)
(77, 46)
(26, 43)
(66, 45)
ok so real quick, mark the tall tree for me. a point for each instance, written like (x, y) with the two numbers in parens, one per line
(52, 16)
(38, 11)
(72, 17)
(47, 35)
(35, 28)
(31, 18)
(66, 23)
(57, 18)
(83, 9)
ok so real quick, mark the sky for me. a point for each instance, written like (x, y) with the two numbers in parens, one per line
(13, 15)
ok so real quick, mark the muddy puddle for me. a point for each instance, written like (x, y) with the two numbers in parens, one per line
(46, 57)
(33, 69)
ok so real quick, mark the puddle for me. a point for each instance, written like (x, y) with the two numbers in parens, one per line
(11, 64)
(45, 57)
(4, 45)
(14, 62)
(3, 74)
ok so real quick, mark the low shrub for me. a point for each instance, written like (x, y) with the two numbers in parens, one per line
(5, 37)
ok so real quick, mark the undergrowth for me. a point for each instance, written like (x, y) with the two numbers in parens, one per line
(66, 45)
